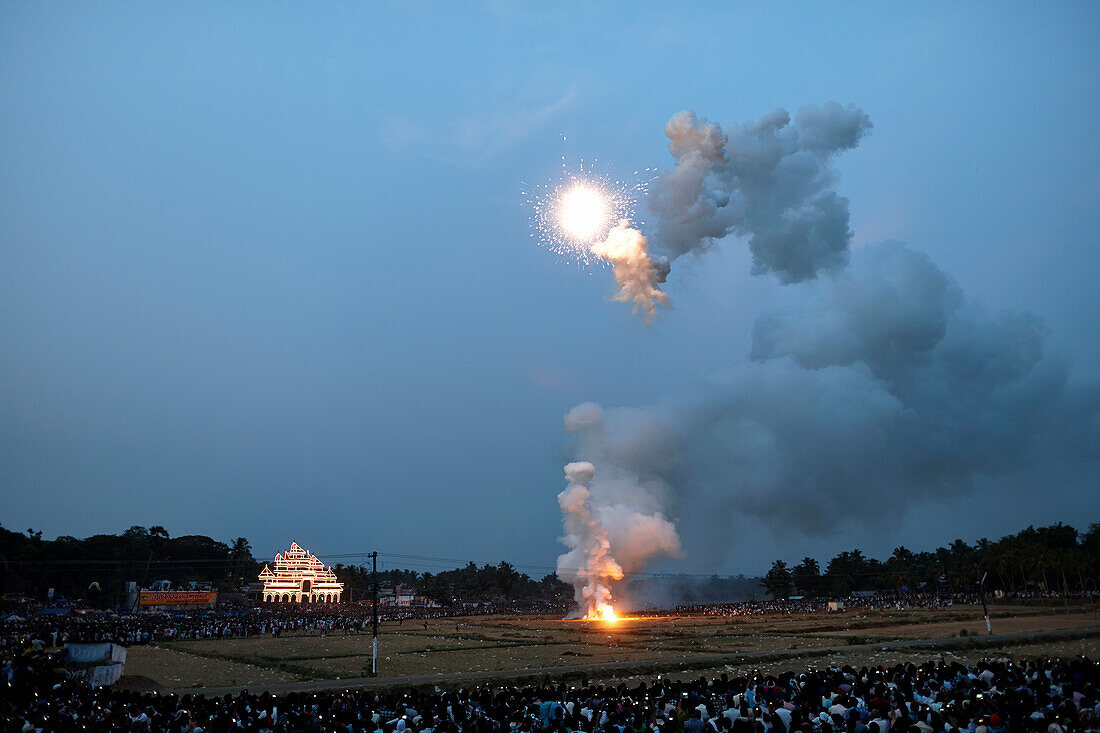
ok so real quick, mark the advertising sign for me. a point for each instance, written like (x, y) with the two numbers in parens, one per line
(177, 598)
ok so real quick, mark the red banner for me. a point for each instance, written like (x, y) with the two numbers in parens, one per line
(177, 598)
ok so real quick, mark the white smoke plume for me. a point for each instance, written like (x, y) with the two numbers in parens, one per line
(638, 275)
(609, 532)
(588, 564)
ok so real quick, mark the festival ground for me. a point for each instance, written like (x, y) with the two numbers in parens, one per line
(688, 645)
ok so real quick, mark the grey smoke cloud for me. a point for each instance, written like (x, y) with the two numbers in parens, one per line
(584, 415)
(876, 387)
(769, 181)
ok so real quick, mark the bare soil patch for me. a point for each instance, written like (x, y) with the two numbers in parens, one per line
(161, 668)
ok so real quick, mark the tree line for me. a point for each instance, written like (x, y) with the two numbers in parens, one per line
(97, 568)
(500, 583)
(1056, 559)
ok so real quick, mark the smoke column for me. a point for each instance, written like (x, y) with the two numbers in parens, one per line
(587, 565)
(875, 384)
(613, 526)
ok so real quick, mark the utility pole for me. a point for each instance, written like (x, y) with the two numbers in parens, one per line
(985, 609)
(374, 614)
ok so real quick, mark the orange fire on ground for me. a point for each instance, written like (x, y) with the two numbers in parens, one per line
(602, 612)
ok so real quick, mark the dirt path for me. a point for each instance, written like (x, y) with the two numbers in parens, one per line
(651, 666)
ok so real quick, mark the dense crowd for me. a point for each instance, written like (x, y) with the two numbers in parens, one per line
(130, 629)
(347, 618)
(899, 600)
(224, 623)
(935, 697)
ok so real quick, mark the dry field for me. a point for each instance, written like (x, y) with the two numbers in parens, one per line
(1081, 647)
(484, 644)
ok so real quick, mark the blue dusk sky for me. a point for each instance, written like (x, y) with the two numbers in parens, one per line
(266, 269)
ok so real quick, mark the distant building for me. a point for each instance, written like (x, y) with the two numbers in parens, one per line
(400, 596)
(299, 577)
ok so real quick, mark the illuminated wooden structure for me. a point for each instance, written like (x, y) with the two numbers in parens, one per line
(300, 577)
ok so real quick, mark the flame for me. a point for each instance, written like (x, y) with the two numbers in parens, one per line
(602, 612)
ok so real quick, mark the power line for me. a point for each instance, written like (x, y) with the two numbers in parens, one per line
(419, 561)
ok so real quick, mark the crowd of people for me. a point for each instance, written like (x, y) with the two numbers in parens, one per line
(227, 623)
(897, 600)
(935, 697)
(53, 630)
(350, 618)
(131, 629)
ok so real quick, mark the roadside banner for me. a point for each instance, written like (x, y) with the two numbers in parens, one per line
(177, 598)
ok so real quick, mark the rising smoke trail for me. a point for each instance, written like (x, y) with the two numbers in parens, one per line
(587, 565)
(618, 530)
(875, 385)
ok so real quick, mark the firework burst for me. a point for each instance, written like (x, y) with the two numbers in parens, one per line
(573, 214)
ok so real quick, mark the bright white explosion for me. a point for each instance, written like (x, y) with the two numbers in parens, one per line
(587, 216)
(574, 213)
(583, 212)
